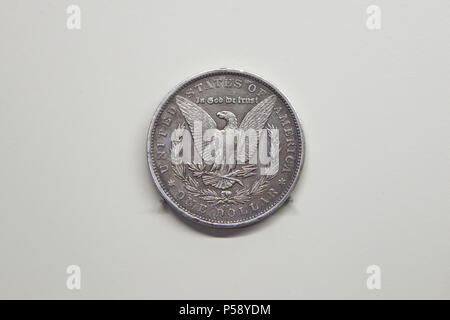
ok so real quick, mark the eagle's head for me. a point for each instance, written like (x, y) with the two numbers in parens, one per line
(229, 117)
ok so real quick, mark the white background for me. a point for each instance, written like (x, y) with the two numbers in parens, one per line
(74, 182)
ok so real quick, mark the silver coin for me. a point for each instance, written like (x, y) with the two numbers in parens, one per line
(225, 148)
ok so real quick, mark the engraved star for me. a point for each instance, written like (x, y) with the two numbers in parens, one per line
(281, 181)
(171, 182)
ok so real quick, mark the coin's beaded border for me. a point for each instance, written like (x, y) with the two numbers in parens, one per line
(218, 73)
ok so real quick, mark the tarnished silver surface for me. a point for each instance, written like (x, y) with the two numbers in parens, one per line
(231, 195)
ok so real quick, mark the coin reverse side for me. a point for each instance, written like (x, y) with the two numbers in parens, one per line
(241, 188)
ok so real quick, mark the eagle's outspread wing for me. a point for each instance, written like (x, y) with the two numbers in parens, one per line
(255, 119)
(192, 112)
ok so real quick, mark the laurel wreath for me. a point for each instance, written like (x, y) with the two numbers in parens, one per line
(209, 195)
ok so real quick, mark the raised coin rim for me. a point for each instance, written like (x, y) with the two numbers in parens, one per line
(197, 219)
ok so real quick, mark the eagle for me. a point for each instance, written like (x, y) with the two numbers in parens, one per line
(255, 119)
